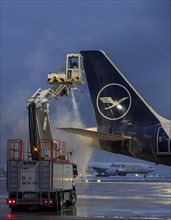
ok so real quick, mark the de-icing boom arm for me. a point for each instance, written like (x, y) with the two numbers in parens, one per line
(38, 107)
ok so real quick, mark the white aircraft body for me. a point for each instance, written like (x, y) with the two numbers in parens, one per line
(120, 169)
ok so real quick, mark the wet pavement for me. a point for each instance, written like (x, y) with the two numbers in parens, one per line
(116, 200)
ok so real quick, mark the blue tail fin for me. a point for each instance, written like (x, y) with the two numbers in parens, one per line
(114, 99)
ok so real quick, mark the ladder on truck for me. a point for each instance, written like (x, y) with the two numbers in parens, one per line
(14, 157)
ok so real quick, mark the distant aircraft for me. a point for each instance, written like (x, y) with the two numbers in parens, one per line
(119, 169)
(126, 124)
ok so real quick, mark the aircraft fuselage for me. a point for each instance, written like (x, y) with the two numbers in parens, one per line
(147, 142)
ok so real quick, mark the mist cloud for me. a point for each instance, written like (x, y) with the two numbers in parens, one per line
(67, 115)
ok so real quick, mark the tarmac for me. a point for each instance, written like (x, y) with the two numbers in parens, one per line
(107, 200)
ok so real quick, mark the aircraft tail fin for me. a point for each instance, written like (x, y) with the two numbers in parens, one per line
(114, 99)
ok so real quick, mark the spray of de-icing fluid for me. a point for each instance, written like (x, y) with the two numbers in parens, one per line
(75, 107)
(67, 116)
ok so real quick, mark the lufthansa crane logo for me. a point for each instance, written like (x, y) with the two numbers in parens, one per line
(113, 101)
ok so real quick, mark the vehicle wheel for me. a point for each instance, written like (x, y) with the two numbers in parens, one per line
(72, 200)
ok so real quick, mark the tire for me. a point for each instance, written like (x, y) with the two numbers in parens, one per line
(73, 199)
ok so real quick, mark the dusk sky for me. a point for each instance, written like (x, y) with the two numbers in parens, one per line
(37, 35)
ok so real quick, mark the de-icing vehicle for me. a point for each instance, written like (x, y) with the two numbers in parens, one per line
(41, 173)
